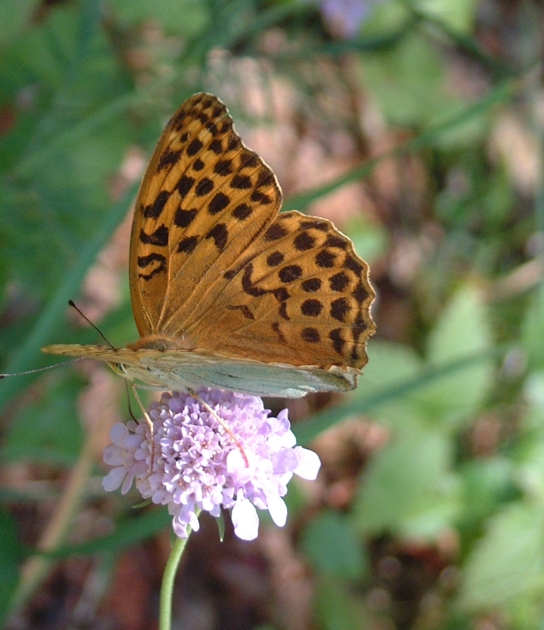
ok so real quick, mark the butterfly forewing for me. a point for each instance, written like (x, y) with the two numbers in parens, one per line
(205, 197)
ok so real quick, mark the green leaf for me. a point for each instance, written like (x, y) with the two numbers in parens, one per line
(183, 17)
(407, 82)
(533, 330)
(508, 562)
(220, 520)
(462, 330)
(389, 365)
(49, 430)
(15, 16)
(333, 546)
(56, 40)
(336, 608)
(383, 403)
(11, 554)
(456, 14)
(369, 239)
(408, 487)
(486, 483)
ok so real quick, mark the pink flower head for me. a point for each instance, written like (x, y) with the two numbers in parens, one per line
(198, 463)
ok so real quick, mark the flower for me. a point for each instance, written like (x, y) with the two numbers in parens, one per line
(214, 450)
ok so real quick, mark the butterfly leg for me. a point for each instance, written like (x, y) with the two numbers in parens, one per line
(147, 419)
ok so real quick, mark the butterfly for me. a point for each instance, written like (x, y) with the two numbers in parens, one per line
(227, 291)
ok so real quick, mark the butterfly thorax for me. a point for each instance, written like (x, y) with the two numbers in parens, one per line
(163, 343)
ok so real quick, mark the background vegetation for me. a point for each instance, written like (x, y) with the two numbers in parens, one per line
(417, 125)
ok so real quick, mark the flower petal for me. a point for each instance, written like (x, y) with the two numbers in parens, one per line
(278, 510)
(245, 520)
(308, 463)
(113, 455)
(286, 461)
(119, 433)
(114, 478)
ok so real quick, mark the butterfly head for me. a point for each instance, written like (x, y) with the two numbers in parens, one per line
(134, 367)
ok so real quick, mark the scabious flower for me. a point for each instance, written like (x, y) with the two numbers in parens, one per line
(195, 462)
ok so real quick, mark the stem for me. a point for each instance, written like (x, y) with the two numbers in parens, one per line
(167, 587)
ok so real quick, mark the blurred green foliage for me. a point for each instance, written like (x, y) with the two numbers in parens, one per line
(455, 379)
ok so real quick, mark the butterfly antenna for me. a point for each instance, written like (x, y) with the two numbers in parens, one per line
(41, 369)
(148, 421)
(73, 305)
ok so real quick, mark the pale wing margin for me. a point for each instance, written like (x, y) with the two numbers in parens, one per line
(184, 370)
(206, 369)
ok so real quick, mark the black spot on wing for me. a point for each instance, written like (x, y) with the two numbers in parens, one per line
(218, 203)
(157, 262)
(325, 259)
(339, 282)
(312, 285)
(311, 335)
(203, 187)
(340, 309)
(194, 147)
(275, 258)
(185, 184)
(303, 241)
(311, 308)
(159, 237)
(220, 234)
(154, 210)
(168, 158)
(242, 211)
(290, 273)
(183, 218)
(187, 245)
(275, 232)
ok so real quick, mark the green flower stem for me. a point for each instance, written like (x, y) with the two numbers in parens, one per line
(167, 587)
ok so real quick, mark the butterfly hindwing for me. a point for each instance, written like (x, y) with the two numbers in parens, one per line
(301, 292)
(181, 370)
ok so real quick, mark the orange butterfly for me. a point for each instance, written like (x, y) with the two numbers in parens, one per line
(226, 291)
